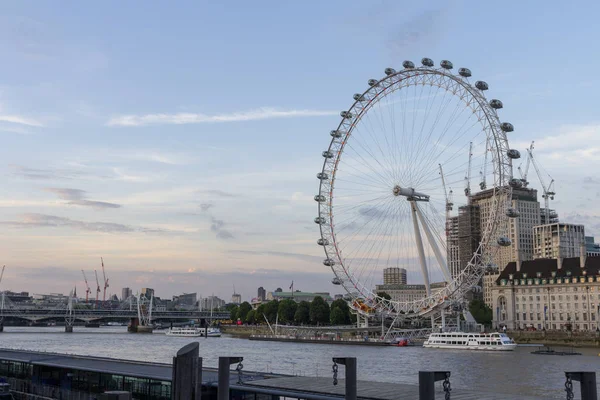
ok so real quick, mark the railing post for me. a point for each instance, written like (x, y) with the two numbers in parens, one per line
(587, 381)
(427, 380)
(187, 374)
(349, 364)
(224, 373)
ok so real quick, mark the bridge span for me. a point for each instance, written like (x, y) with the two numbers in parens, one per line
(139, 311)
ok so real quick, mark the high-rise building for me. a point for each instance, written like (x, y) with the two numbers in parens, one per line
(236, 298)
(148, 292)
(186, 299)
(262, 294)
(519, 230)
(212, 303)
(559, 240)
(394, 276)
(592, 248)
(126, 293)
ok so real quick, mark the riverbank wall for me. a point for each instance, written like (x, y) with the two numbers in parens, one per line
(557, 338)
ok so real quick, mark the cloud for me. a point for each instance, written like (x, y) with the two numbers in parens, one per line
(32, 220)
(590, 181)
(206, 206)
(17, 119)
(302, 257)
(77, 197)
(38, 174)
(217, 227)
(219, 193)
(197, 118)
(373, 212)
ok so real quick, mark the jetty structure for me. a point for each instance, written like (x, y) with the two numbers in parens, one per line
(48, 375)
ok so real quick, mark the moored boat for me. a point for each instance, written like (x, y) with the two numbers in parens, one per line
(213, 332)
(184, 332)
(470, 341)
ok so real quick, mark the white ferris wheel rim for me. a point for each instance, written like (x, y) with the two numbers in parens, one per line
(491, 125)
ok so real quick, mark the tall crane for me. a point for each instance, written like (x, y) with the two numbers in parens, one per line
(468, 176)
(87, 287)
(97, 288)
(448, 195)
(483, 173)
(524, 173)
(548, 190)
(2, 273)
(105, 281)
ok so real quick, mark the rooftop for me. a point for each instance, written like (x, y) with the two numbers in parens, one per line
(545, 266)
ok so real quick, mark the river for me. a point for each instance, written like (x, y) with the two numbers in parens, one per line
(513, 373)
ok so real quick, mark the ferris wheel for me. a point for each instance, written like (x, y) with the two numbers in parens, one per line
(414, 150)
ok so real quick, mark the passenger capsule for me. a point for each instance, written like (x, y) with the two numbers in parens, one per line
(446, 64)
(323, 242)
(373, 82)
(428, 62)
(476, 289)
(507, 127)
(336, 281)
(512, 213)
(515, 183)
(408, 64)
(336, 134)
(328, 262)
(320, 220)
(358, 97)
(513, 153)
(481, 85)
(346, 114)
(495, 103)
(465, 72)
(322, 176)
(320, 198)
(504, 241)
(327, 154)
(390, 71)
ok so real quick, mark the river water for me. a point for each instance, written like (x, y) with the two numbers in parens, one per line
(513, 373)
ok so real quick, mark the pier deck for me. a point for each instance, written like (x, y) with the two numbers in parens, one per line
(374, 390)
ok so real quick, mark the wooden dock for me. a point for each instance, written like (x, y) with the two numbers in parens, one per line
(369, 390)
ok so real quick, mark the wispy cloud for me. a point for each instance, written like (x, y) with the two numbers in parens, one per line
(303, 257)
(77, 197)
(41, 174)
(32, 220)
(17, 119)
(197, 118)
(218, 193)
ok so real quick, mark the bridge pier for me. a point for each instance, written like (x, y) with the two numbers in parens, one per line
(135, 327)
(68, 328)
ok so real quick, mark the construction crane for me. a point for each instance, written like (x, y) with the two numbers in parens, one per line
(97, 288)
(548, 190)
(448, 195)
(524, 173)
(105, 281)
(2, 274)
(483, 173)
(87, 287)
(468, 176)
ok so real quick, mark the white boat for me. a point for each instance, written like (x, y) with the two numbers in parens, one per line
(185, 332)
(213, 332)
(470, 341)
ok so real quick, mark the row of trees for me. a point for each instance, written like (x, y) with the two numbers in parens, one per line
(317, 312)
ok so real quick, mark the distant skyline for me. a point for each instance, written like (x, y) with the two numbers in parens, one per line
(181, 141)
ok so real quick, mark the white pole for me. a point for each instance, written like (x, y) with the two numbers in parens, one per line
(436, 250)
(443, 321)
(420, 248)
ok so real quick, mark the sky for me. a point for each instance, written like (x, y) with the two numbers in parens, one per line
(180, 141)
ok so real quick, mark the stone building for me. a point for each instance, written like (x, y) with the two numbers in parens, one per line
(551, 294)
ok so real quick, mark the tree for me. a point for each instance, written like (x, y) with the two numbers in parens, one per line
(481, 312)
(233, 312)
(384, 295)
(343, 317)
(287, 310)
(319, 311)
(337, 317)
(271, 309)
(250, 317)
(243, 310)
(302, 315)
